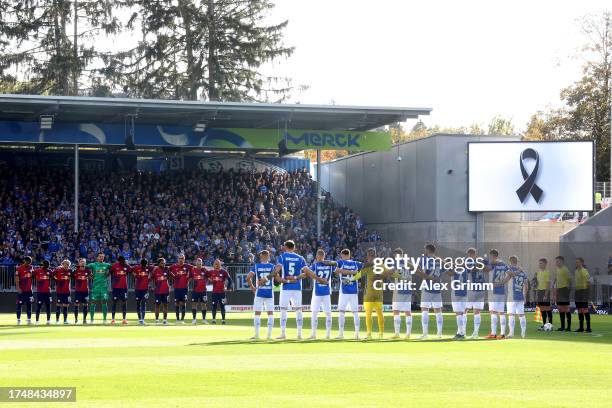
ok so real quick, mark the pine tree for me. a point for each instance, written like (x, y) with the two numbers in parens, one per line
(47, 45)
(194, 49)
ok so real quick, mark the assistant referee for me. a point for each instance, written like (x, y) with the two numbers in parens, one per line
(543, 291)
(562, 293)
(581, 296)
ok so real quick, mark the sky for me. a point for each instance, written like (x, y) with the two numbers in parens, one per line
(468, 60)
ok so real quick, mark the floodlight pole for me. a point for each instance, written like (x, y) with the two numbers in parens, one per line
(76, 188)
(318, 194)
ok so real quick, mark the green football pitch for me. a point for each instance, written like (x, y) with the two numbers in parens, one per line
(205, 365)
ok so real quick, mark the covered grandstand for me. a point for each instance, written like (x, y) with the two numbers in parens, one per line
(148, 178)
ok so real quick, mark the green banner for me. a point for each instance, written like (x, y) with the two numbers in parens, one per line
(337, 140)
(298, 139)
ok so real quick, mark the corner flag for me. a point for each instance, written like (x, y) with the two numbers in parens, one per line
(538, 315)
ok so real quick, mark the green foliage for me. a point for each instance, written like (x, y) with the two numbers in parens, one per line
(586, 114)
(500, 126)
(192, 49)
(545, 126)
(41, 53)
(420, 130)
(186, 49)
(475, 129)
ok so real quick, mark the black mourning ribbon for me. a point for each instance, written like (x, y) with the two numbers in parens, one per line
(529, 185)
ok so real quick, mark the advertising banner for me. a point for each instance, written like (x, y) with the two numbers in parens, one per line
(182, 136)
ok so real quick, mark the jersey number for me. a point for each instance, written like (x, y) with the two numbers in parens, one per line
(518, 283)
(291, 267)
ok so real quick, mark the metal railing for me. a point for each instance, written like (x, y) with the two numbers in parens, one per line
(7, 278)
(603, 187)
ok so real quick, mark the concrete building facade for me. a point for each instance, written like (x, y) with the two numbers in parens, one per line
(417, 192)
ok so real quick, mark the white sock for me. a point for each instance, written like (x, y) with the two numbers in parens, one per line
(459, 319)
(270, 325)
(257, 323)
(477, 320)
(328, 324)
(439, 323)
(425, 322)
(397, 321)
(313, 323)
(341, 320)
(464, 326)
(502, 322)
(356, 321)
(283, 321)
(511, 325)
(523, 321)
(408, 325)
(494, 324)
(299, 321)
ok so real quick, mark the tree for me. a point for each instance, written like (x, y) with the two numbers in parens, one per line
(475, 129)
(545, 127)
(586, 114)
(418, 131)
(588, 100)
(47, 44)
(192, 49)
(326, 155)
(397, 133)
(535, 128)
(500, 126)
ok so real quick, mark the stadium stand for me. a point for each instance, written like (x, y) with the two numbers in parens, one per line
(230, 215)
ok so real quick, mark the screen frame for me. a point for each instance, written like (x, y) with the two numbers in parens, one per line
(593, 185)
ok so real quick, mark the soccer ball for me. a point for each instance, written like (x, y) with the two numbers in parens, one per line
(548, 327)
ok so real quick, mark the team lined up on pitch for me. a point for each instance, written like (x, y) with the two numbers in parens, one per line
(506, 299)
(159, 276)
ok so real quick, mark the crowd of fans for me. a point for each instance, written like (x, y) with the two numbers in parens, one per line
(228, 215)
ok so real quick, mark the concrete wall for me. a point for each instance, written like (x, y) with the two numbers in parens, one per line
(423, 198)
(592, 241)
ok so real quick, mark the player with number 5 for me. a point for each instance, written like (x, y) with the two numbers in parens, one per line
(290, 270)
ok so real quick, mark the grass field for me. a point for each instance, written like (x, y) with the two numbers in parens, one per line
(216, 366)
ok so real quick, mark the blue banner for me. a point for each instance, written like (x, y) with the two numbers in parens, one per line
(183, 136)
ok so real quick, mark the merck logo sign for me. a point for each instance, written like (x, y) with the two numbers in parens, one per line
(325, 139)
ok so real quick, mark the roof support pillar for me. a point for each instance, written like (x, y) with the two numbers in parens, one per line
(76, 188)
(318, 194)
